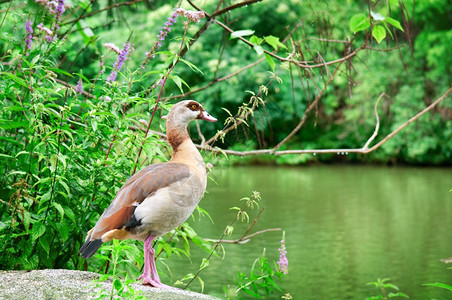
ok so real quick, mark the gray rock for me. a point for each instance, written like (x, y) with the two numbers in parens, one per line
(72, 284)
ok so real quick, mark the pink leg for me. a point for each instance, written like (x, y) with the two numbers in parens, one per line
(150, 275)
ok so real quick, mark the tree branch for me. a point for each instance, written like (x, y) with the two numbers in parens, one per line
(363, 150)
(245, 239)
(417, 116)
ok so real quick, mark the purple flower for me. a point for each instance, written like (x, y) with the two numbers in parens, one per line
(59, 10)
(283, 263)
(79, 87)
(56, 7)
(112, 77)
(28, 36)
(124, 55)
(160, 38)
(47, 31)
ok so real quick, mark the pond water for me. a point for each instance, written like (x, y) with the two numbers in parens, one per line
(345, 226)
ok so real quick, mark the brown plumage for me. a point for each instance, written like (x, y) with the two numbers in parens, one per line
(159, 197)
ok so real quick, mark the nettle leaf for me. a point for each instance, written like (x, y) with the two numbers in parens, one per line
(59, 208)
(45, 244)
(37, 230)
(394, 23)
(379, 33)
(241, 33)
(359, 22)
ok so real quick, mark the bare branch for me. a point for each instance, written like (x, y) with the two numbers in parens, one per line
(417, 116)
(363, 150)
(246, 239)
(377, 118)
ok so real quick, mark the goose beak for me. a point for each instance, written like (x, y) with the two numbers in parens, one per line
(204, 115)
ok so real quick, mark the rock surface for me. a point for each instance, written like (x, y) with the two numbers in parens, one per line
(72, 284)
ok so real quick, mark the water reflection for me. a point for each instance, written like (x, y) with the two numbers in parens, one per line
(345, 226)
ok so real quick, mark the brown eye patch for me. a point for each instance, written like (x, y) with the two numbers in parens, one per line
(193, 106)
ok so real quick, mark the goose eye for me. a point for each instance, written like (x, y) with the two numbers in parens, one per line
(194, 106)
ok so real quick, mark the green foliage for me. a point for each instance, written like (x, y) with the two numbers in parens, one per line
(440, 285)
(67, 149)
(387, 290)
(260, 281)
(120, 253)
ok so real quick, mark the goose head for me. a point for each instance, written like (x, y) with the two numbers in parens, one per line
(185, 111)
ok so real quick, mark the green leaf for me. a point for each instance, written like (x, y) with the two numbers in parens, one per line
(63, 230)
(26, 219)
(59, 208)
(379, 33)
(204, 264)
(37, 230)
(274, 42)
(45, 197)
(8, 156)
(35, 59)
(440, 285)
(179, 81)
(256, 40)
(69, 213)
(192, 66)
(94, 125)
(259, 50)
(45, 244)
(201, 282)
(359, 22)
(394, 23)
(270, 62)
(240, 33)
(7, 124)
(387, 29)
(399, 294)
(15, 79)
(117, 284)
(61, 72)
(85, 31)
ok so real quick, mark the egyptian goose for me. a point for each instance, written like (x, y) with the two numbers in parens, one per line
(158, 198)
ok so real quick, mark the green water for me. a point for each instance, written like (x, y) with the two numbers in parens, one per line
(345, 226)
